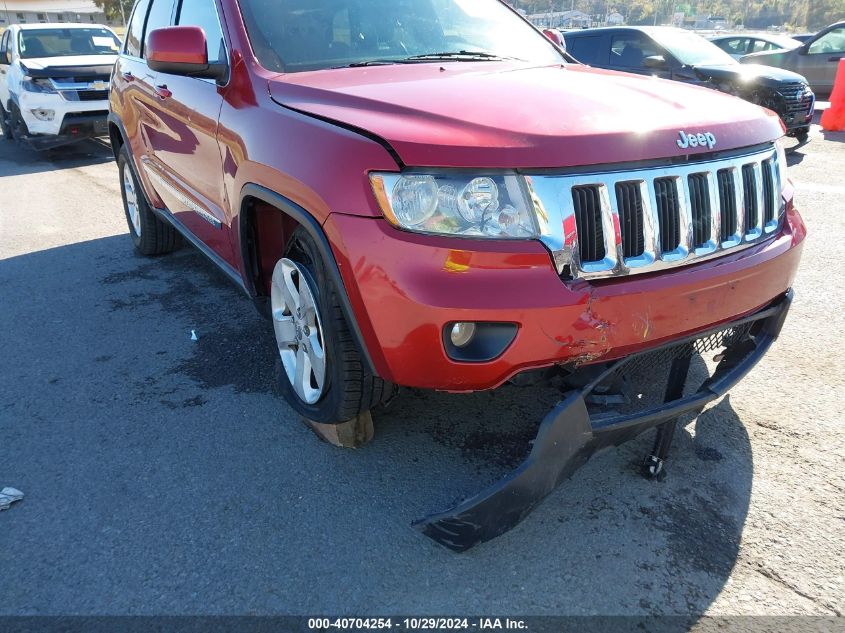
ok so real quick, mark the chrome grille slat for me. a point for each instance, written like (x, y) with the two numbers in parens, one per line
(588, 222)
(669, 213)
(699, 194)
(615, 223)
(629, 201)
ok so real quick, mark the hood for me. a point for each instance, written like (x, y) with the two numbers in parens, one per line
(69, 65)
(500, 115)
(758, 74)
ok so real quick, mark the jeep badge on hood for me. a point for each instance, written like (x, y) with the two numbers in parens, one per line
(696, 140)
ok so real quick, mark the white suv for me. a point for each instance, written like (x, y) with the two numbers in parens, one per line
(54, 82)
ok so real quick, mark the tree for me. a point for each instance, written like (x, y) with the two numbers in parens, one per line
(117, 10)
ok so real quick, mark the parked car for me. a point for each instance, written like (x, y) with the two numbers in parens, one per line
(441, 207)
(738, 46)
(680, 55)
(54, 82)
(817, 59)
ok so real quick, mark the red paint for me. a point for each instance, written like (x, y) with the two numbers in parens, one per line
(208, 141)
(177, 45)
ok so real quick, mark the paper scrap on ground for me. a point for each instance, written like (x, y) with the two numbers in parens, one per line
(8, 496)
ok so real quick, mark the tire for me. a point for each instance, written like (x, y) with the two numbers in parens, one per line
(348, 388)
(4, 124)
(17, 125)
(150, 235)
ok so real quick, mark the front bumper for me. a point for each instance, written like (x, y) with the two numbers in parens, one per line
(72, 120)
(405, 288)
(571, 433)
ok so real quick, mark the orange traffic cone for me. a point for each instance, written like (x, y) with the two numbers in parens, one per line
(833, 119)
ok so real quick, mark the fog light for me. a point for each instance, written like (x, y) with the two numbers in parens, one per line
(462, 334)
(44, 115)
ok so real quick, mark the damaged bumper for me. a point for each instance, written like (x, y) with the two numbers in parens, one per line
(406, 290)
(53, 121)
(598, 416)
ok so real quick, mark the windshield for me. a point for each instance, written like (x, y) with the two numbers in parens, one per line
(301, 35)
(691, 49)
(66, 42)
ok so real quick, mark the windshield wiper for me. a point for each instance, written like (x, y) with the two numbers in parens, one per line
(460, 56)
(468, 56)
(372, 62)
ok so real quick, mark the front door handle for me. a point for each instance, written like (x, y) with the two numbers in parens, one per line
(128, 76)
(163, 92)
(835, 58)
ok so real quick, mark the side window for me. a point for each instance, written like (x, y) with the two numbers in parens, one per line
(4, 46)
(161, 14)
(735, 46)
(586, 50)
(135, 33)
(833, 42)
(629, 50)
(203, 13)
(761, 45)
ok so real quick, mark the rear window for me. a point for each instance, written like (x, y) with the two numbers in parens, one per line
(585, 49)
(66, 42)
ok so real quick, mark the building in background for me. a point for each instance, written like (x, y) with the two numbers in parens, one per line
(560, 20)
(50, 12)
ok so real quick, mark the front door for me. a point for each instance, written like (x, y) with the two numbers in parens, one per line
(186, 160)
(629, 50)
(821, 60)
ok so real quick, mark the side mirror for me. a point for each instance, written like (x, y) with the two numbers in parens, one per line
(657, 62)
(7, 57)
(181, 50)
(555, 38)
(804, 49)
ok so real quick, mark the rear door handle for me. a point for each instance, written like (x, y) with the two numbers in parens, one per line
(163, 92)
(835, 58)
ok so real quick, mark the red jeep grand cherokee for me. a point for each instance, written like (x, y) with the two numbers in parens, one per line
(430, 193)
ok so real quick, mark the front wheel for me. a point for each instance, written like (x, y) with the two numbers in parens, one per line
(5, 125)
(322, 374)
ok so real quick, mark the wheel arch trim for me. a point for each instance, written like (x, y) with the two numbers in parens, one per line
(312, 226)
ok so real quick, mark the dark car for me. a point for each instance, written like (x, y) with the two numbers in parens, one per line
(817, 59)
(676, 54)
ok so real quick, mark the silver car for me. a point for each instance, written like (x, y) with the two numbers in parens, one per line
(740, 45)
(817, 59)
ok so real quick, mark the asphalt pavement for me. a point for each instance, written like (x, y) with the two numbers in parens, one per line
(167, 476)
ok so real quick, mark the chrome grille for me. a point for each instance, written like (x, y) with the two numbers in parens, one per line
(626, 222)
(797, 98)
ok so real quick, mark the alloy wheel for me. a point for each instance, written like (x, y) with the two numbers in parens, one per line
(132, 201)
(299, 330)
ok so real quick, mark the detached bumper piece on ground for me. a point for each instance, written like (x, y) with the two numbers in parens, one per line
(616, 402)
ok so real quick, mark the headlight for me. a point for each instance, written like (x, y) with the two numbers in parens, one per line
(32, 84)
(477, 205)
